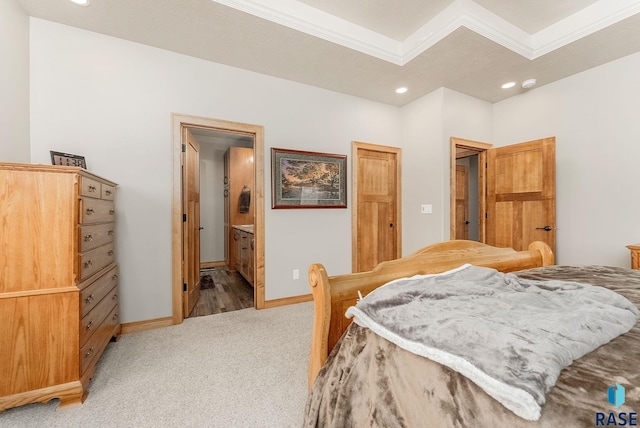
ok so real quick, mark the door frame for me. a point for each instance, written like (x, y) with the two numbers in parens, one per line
(355, 146)
(471, 147)
(179, 122)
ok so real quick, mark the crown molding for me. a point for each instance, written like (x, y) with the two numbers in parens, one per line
(582, 23)
(466, 13)
(461, 13)
(317, 23)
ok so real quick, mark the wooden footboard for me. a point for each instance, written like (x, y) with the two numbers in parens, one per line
(333, 295)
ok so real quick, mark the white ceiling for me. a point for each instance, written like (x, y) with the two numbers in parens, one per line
(368, 48)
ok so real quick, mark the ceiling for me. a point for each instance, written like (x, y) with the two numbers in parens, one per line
(368, 48)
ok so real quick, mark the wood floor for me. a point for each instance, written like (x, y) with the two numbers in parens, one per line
(229, 292)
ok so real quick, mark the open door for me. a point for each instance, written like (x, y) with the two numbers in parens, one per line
(462, 202)
(521, 194)
(191, 223)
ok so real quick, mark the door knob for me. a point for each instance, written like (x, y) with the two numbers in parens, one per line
(201, 227)
(547, 228)
(467, 222)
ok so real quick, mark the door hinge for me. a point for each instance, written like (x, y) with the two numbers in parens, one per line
(486, 215)
(184, 148)
(184, 287)
(184, 218)
(486, 164)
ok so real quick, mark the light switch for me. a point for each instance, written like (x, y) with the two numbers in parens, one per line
(426, 208)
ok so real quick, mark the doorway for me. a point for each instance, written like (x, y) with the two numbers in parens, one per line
(516, 187)
(179, 240)
(468, 190)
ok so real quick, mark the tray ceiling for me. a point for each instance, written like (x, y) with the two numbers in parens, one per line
(368, 48)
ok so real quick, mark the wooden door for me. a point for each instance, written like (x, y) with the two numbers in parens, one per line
(376, 223)
(191, 223)
(462, 202)
(521, 196)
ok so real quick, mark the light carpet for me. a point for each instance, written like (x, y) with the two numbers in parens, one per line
(245, 368)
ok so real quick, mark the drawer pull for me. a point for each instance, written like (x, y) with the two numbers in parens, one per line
(112, 211)
(89, 211)
(115, 297)
(88, 238)
(114, 277)
(115, 317)
(107, 192)
(110, 253)
(88, 264)
(92, 188)
(89, 299)
(110, 233)
(89, 326)
(88, 353)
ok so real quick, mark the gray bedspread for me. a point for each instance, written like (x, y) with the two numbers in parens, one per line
(369, 381)
(510, 336)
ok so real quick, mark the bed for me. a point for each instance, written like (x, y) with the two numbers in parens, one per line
(358, 378)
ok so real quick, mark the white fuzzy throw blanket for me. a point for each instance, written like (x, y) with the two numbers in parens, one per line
(510, 336)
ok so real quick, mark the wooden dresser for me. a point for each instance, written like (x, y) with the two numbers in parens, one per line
(58, 281)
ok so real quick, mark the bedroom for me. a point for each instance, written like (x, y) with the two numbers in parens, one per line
(116, 111)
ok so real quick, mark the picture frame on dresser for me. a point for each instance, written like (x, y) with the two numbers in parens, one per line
(67, 159)
(301, 179)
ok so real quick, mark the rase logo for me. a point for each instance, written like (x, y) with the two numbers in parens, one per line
(615, 396)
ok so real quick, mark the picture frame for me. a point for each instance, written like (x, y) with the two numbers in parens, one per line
(67, 159)
(301, 179)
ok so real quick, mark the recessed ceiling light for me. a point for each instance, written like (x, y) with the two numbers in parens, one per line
(529, 83)
(81, 2)
(401, 90)
(508, 85)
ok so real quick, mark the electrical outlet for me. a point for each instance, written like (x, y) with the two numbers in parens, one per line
(296, 274)
(426, 209)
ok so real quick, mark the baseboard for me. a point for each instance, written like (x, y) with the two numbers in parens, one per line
(288, 301)
(209, 265)
(133, 327)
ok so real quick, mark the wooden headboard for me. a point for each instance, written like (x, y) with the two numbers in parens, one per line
(333, 295)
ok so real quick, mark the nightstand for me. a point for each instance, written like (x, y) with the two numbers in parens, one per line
(635, 256)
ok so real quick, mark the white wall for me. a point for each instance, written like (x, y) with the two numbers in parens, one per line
(111, 100)
(422, 170)
(427, 126)
(594, 116)
(211, 203)
(14, 83)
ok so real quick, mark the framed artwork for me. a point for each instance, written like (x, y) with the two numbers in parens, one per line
(67, 159)
(308, 179)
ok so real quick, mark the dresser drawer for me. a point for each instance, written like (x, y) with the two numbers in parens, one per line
(90, 187)
(93, 320)
(92, 295)
(108, 192)
(91, 350)
(93, 236)
(96, 211)
(94, 260)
